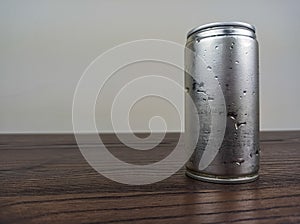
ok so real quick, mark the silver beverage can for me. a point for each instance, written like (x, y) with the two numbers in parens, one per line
(222, 80)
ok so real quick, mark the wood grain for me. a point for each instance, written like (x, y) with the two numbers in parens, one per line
(45, 179)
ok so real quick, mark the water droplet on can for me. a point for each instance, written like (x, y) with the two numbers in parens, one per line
(239, 161)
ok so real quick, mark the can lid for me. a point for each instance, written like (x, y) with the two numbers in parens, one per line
(221, 24)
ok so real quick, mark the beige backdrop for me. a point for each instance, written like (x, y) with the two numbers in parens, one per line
(46, 45)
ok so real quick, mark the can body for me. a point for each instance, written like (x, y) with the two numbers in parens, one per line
(223, 82)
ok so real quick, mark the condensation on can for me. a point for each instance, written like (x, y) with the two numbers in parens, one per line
(229, 53)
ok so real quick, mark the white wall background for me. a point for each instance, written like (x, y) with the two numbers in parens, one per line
(46, 45)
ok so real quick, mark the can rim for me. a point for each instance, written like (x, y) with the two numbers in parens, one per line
(221, 24)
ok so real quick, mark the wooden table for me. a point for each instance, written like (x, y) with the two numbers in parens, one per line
(45, 179)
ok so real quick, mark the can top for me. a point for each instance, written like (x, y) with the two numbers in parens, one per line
(210, 26)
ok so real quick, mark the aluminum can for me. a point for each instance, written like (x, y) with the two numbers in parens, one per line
(222, 78)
